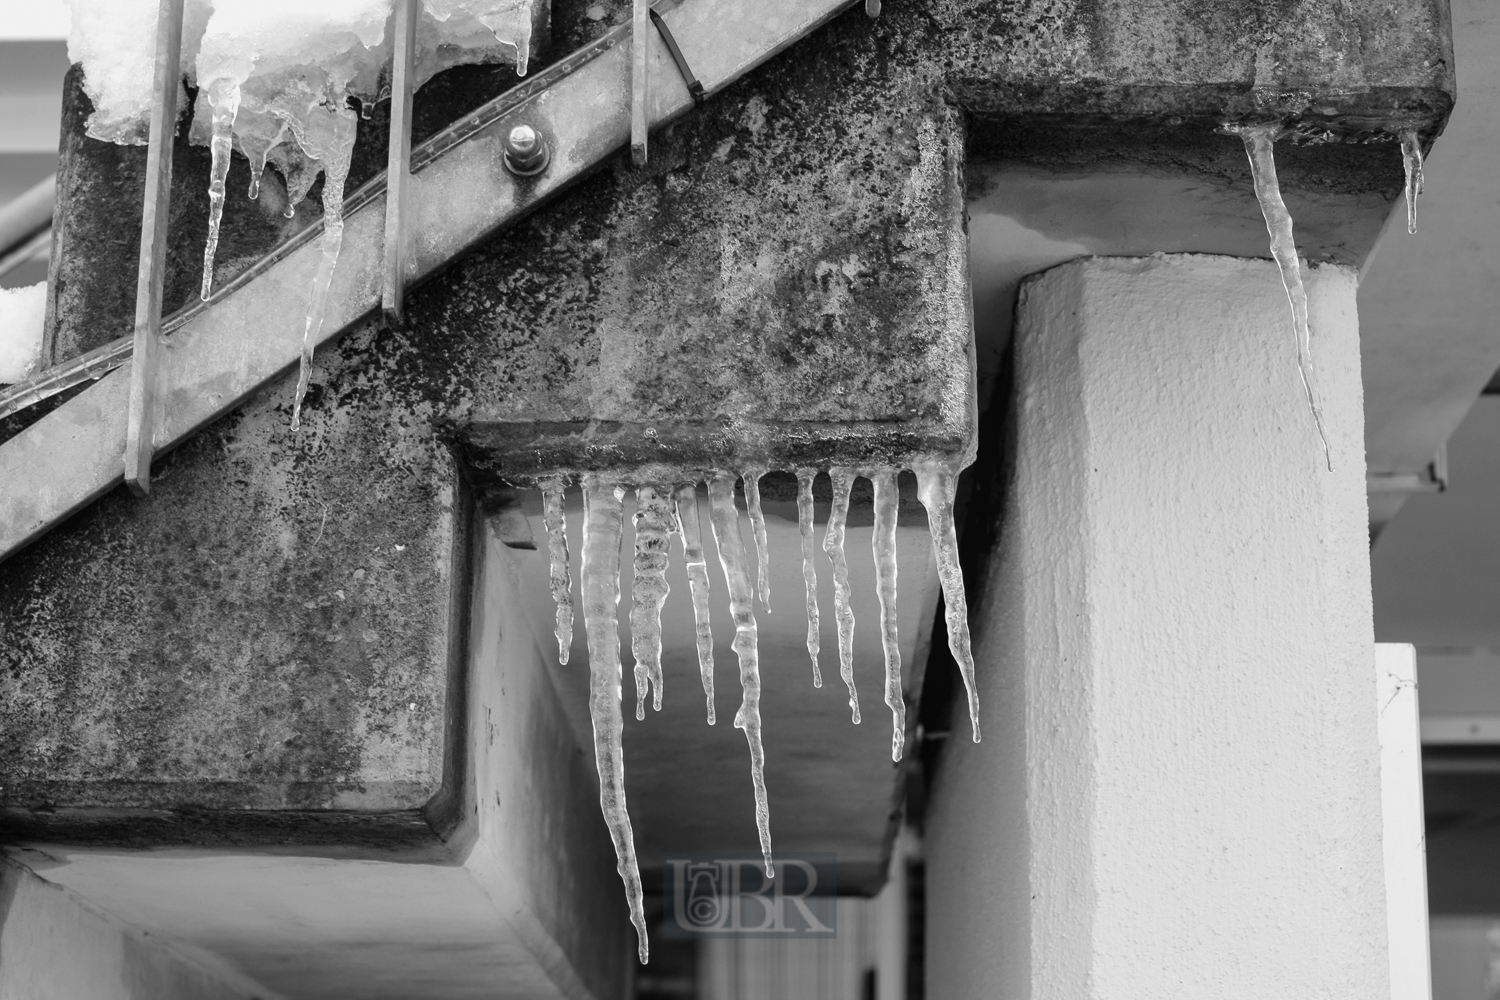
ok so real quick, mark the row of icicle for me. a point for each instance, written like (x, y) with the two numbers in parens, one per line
(1258, 141)
(665, 509)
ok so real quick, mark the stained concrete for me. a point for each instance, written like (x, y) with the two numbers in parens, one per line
(273, 629)
(521, 901)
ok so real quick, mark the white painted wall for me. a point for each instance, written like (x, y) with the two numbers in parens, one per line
(1179, 795)
(53, 946)
(1403, 831)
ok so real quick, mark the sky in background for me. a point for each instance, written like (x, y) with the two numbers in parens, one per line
(28, 20)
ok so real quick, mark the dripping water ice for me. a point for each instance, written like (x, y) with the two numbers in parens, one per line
(257, 151)
(725, 518)
(603, 523)
(691, 533)
(809, 571)
(224, 99)
(1411, 159)
(883, 542)
(557, 549)
(654, 521)
(328, 136)
(843, 614)
(758, 526)
(936, 486)
(1259, 140)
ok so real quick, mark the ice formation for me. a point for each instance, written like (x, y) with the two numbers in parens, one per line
(883, 542)
(725, 518)
(936, 486)
(751, 479)
(603, 520)
(1259, 140)
(1411, 159)
(662, 509)
(843, 614)
(224, 99)
(654, 521)
(22, 311)
(275, 78)
(809, 571)
(557, 550)
(691, 532)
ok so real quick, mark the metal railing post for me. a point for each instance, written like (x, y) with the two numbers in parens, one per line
(398, 164)
(143, 421)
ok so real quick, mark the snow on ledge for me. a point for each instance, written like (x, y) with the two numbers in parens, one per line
(21, 314)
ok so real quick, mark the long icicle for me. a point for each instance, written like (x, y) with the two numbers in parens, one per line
(224, 99)
(1259, 140)
(843, 614)
(725, 518)
(553, 513)
(334, 149)
(603, 524)
(809, 571)
(1411, 160)
(883, 543)
(654, 520)
(936, 486)
(758, 526)
(691, 532)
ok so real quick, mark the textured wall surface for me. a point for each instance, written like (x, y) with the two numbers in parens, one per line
(270, 630)
(1179, 791)
(53, 946)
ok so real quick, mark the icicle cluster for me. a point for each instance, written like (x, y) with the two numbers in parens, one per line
(664, 509)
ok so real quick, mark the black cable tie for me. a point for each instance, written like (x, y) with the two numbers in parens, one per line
(695, 89)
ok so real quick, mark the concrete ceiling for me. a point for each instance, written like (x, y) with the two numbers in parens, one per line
(1428, 304)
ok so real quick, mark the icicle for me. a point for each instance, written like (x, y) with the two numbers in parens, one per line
(883, 543)
(936, 485)
(758, 526)
(843, 614)
(725, 518)
(557, 547)
(691, 533)
(603, 523)
(258, 159)
(332, 143)
(1258, 141)
(653, 530)
(224, 98)
(1411, 158)
(299, 180)
(809, 571)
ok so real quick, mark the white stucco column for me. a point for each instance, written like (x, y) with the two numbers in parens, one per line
(1179, 791)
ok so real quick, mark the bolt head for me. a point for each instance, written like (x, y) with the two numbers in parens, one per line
(525, 151)
(522, 141)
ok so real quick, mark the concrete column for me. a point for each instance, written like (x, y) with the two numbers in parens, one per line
(1179, 792)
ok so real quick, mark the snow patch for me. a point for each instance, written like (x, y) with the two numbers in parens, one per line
(22, 311)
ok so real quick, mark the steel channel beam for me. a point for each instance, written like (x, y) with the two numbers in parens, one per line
(222, 351)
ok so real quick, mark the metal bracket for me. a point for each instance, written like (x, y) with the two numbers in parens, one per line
(1433, 479)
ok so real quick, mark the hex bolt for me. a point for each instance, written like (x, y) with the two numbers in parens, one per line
(526, 152)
